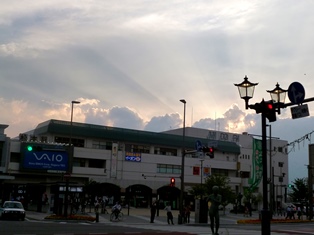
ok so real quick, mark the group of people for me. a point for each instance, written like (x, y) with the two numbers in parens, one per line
(214, 200)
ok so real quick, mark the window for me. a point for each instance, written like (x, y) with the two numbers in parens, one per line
(96, 163)
(166, 151)
(245, 174)
(99, 144)
(65, 140)
(15, 157)
(219, 172)
(79, 162)
(137, 148)
(169, 169)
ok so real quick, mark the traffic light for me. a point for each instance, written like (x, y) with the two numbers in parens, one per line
(172, 182)
(270, 111)
(209, 151)
(34, 148)
(267, 108)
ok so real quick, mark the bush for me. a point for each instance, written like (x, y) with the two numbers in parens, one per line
(71, 217)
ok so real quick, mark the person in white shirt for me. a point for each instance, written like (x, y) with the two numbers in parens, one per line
(116, 209)
(169, 213)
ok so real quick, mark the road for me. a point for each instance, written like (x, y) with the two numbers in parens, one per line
(138, 224)
(65, 228)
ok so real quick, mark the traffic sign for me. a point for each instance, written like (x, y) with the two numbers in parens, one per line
(296, 93)
(300, 111)
(198, 146)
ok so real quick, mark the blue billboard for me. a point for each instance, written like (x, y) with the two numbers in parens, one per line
(46, 160)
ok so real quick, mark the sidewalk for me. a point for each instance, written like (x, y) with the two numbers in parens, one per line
(144, 213)
(140, 218)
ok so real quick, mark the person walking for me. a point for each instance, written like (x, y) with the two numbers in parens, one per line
(187, 214)
(169, 213)
(153, 209)
(215, 201)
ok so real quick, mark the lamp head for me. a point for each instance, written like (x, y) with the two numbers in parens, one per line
(246, 90)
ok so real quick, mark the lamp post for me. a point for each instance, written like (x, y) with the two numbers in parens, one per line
(182, 160)
(246, 91)
(271, 182)
(71, 123)
(202, 160)
(66, 202)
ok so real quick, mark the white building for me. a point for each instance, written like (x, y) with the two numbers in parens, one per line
(135, 166)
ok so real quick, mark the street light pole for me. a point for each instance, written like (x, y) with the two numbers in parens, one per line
(265, 211)
(246, 91)
(201, 171)
(66, 201)
(271, 173)
(182, 160)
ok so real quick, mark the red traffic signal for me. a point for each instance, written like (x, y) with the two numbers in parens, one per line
(209, 151)
(172, 182)
(270, 111)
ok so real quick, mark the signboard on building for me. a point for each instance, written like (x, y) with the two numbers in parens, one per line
(133, 157)
(44, 158)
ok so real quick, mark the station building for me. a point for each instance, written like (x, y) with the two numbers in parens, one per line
(85, 161)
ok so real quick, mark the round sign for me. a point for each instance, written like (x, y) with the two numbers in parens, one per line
(296, 93)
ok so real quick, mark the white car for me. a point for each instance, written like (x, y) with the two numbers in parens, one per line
(12, 210)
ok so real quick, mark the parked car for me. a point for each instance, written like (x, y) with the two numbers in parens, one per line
(12, 210)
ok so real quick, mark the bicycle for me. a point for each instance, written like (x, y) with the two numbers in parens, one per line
(115, 218)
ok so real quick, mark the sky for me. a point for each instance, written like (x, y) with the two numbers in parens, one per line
(130, 62)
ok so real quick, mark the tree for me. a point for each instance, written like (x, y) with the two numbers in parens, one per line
(222, 181)
(299, 190)
(198, 191)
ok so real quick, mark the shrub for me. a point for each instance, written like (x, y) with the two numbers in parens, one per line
(71, 217)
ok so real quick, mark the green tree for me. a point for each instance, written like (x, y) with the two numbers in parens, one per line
(299, 190)
(222, 181)
(198, 191)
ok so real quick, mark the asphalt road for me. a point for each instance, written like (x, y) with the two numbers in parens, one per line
(137, 223)
(66, 228)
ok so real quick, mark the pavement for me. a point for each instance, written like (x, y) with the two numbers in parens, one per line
(140, 218)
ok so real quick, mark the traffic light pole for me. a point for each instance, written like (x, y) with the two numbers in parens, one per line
(265, 212)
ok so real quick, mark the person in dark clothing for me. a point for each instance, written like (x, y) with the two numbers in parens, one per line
(153, 209)
(187, 214)
(169, 213)
(214, 200)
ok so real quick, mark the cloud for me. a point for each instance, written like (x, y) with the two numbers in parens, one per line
(164, 123)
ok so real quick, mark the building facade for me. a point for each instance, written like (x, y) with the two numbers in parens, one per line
(128, 165)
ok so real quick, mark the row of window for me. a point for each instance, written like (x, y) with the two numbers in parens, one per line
(128, 147)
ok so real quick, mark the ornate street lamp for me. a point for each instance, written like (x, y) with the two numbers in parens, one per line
(246, 91)
(278, 95)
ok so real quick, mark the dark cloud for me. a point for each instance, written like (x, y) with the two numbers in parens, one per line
(164, 123)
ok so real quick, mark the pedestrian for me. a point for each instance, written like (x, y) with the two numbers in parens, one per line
(116, 209)
(299, 213)
(169, 213)
(187, 213)
(153, 209)
(215, 201)
(289, 211)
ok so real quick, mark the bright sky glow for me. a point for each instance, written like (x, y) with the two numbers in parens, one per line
(129, 64)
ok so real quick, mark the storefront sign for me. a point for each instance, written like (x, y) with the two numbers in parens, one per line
(46, 160)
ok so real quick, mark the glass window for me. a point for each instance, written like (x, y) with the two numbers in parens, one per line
(96, 163)
(169, 169)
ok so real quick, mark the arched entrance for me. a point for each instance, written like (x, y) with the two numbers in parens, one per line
(138, 195)
(168, 194)
(107, 192)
